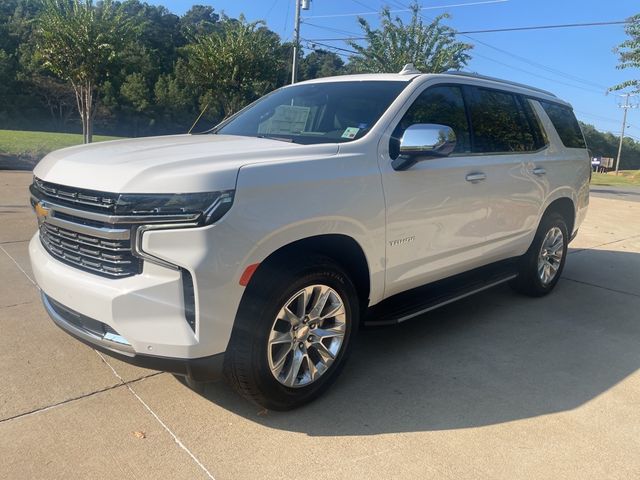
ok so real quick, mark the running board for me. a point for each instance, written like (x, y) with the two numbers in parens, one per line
(410, 304)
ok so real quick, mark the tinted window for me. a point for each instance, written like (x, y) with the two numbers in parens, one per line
(565, 123)
(440, 105)
(317, 112)
(533, 122)
(500, 123)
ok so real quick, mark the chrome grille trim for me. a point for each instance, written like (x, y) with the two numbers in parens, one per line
(89, 231)
(37, 195)
(105, 259)
(68, 194)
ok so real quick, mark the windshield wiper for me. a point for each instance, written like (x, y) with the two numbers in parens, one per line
(281, 139)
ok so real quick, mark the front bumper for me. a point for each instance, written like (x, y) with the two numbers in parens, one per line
(101, 337)
(147, 310)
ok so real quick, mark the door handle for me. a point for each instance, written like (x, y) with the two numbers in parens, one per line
(475, 177)
(539, 171)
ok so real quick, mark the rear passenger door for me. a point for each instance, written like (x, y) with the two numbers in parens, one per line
(511, 149)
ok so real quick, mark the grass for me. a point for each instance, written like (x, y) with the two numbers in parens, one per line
(624, 177)
(37, 144)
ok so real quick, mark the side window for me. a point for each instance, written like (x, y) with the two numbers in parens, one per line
(565, 123)
(443, 105)
(500, 123)
(535, 125)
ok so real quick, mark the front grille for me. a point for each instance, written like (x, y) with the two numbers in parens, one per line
(75, 232)
(107, 257)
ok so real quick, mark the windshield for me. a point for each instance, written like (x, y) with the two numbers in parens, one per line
(317, 112)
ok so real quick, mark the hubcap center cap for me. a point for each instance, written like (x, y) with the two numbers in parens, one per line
(302, 332)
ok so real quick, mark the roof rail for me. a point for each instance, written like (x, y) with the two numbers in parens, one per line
(499, 80)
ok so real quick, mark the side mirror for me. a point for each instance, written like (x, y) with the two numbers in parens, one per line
(422, 141)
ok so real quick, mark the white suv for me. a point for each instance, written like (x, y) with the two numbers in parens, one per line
(257, 249)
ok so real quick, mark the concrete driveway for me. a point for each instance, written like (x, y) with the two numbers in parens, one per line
(495, 386)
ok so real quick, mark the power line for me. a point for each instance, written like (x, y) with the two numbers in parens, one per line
(407, 9)
(271, 8)
(330, 46)
(353, 52)
(505, 52)
(539, 65)
(362, 4)
(331, 29)
(536, 74)
(523, 59)
(545, 27)
(573, 78)
(511, 29)
(286, 17)
(599, 117)
(343, 55)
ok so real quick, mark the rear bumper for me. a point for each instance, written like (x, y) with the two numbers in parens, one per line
(101, 337)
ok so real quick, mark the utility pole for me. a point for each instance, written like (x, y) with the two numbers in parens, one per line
(625, 107)
(304, 5)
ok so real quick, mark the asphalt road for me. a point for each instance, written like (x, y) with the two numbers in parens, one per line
(495, 386)
(618, 192)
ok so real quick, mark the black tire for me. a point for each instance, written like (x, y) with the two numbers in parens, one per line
(246, 360)
(528, 281)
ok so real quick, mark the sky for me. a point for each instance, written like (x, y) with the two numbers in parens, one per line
(577, 64)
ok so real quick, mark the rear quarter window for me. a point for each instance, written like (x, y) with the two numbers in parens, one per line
(565, 123)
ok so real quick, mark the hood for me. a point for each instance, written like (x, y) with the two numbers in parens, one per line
(168, 164)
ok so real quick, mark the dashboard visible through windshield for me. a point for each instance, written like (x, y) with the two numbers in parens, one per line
(316, 113)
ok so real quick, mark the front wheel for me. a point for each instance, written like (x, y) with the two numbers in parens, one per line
(293, 333)
(540, 268)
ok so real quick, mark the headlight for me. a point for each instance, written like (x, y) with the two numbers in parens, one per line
(208, 206)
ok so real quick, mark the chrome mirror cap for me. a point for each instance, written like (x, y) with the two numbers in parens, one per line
(421, 141)
(428, 139)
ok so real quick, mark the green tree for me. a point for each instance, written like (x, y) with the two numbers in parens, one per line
(136, 96)
(136, 92)
(79, 42)
(235, 64)
(6, 73)
(432, 47)
(320, 63)
(199, 20)
(629, 53)
(605, 144)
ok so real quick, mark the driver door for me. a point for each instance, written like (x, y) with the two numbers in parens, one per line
(435, 213)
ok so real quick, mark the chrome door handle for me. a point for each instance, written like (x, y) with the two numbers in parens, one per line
(475, 177)
(539, 171)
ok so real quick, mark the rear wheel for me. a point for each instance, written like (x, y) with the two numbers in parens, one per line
(540, 268)
(293, 333)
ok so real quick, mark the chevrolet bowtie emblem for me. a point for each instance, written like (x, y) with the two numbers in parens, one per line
(41, 211)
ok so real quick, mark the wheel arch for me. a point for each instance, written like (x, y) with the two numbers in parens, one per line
(565, 207)
(343, 249)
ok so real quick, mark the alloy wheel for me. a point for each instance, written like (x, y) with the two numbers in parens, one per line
(550, 256)
(306, 336)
